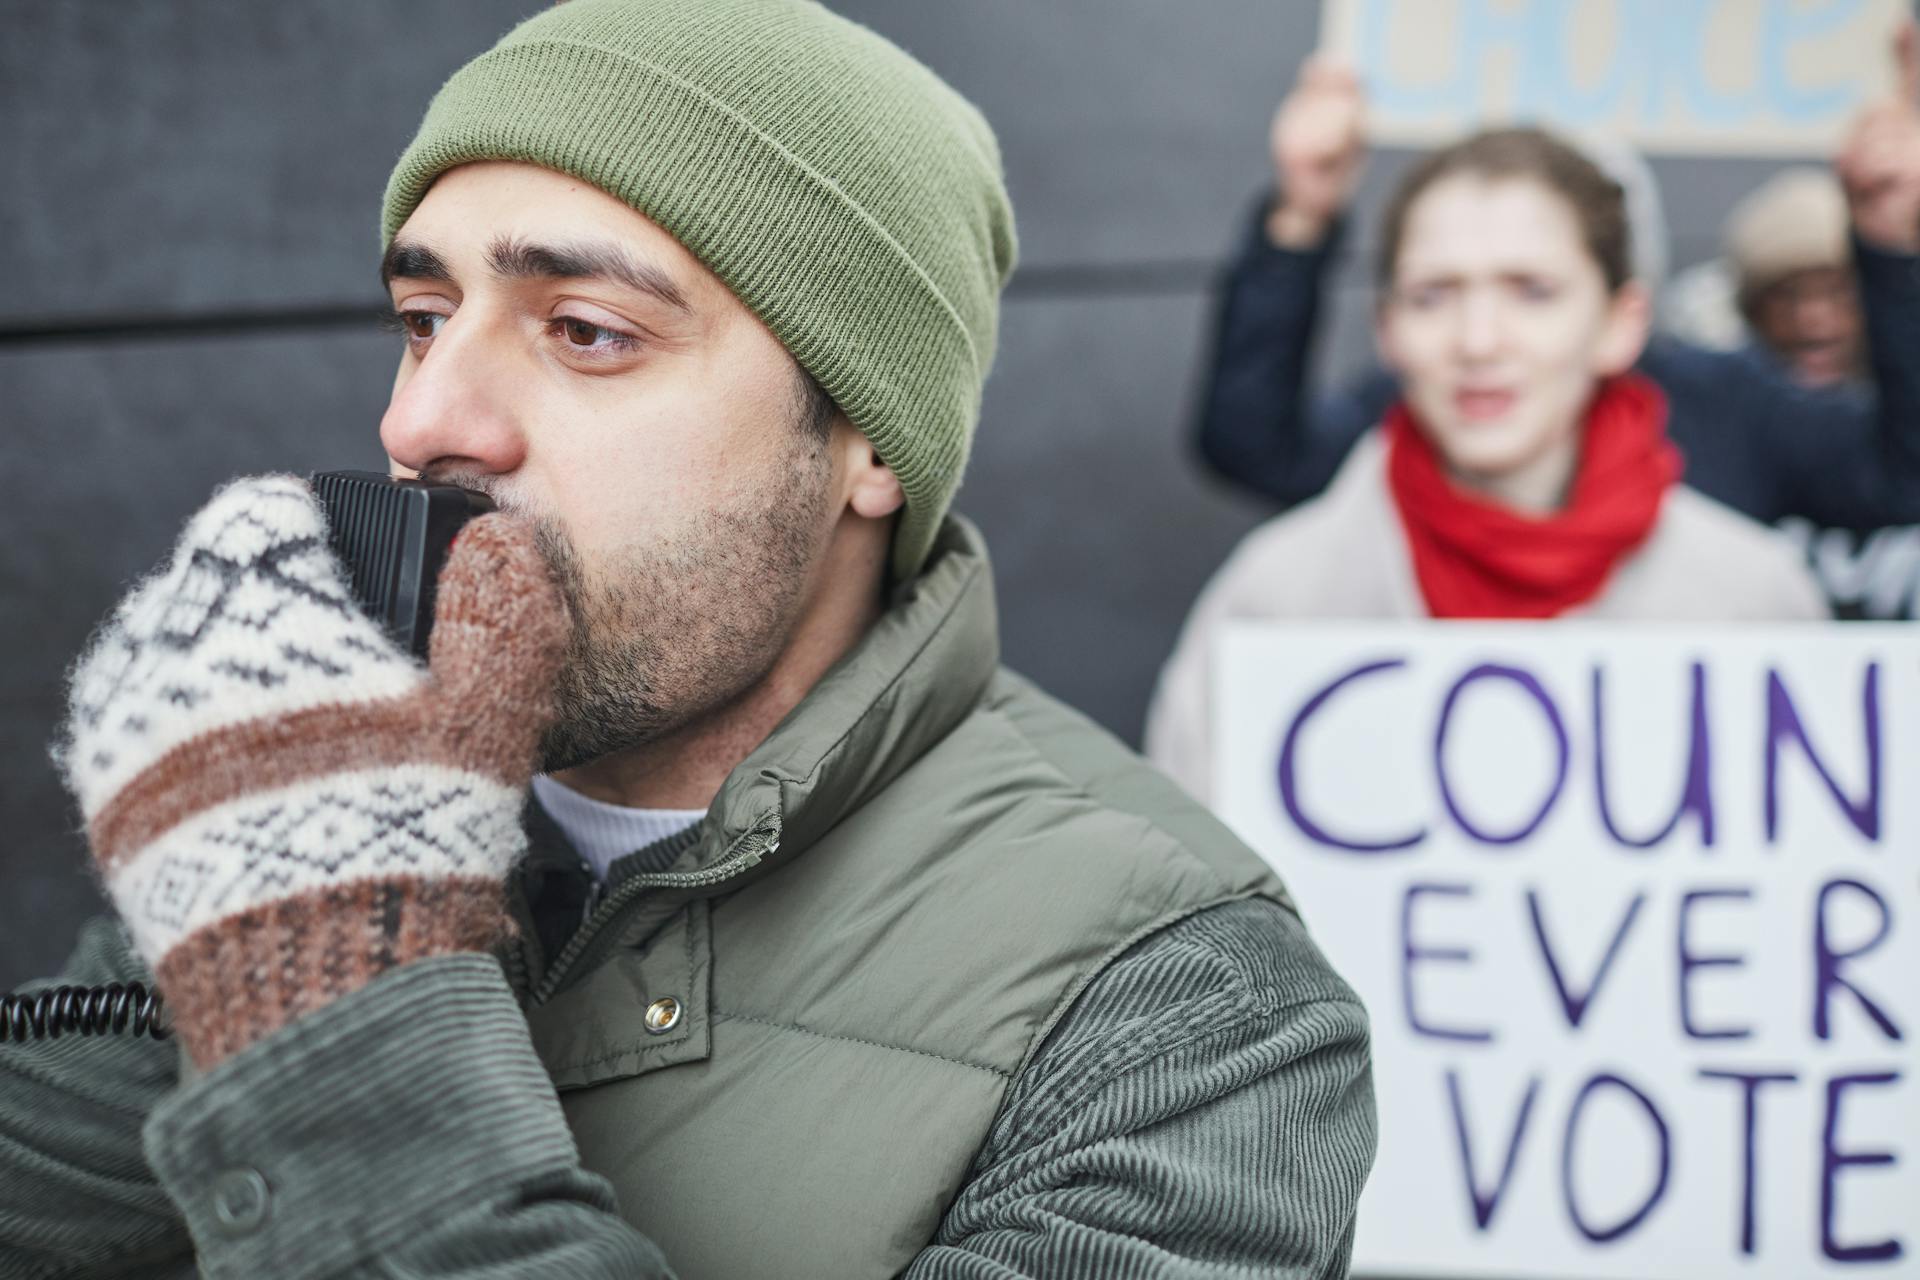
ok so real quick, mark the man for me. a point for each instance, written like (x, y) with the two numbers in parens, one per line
(1782, 290)
(837, 950)
(1788, 246)
(1753, 438)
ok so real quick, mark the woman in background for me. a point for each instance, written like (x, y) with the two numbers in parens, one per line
(1755, 439)
(1525, 472)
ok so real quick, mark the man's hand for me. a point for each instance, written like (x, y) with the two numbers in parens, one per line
(1879, 163)
(1319, 145)
(282, 804)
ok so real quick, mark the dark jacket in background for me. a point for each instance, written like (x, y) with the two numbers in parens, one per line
(1753, 439)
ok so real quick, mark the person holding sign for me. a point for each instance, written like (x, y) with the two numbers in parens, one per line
(1525, 471)
(1753, 437)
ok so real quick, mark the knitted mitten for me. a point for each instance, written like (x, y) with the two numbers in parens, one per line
(283, 804)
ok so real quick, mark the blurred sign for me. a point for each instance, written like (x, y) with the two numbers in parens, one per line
(1636, 915)
(1758, 76)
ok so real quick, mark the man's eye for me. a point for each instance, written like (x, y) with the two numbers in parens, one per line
(584, 335)
(418, 326)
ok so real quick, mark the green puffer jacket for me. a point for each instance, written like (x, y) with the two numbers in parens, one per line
(822, 1042)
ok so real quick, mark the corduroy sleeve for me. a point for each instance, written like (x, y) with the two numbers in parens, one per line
(407, 1129)
(1204, 1111)
(76, 1195)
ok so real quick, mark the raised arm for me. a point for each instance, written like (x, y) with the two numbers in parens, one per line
(1854, 461)
(306, 834)
(1879, 165)
(1259, 426)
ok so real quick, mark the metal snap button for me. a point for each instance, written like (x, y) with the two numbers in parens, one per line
(240, 1201)
(662, 1015)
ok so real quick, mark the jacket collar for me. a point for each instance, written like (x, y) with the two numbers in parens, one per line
(911, 679)
(915, 675)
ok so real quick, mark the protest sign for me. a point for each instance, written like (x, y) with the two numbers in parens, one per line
(1636, 915)
(1773, 77)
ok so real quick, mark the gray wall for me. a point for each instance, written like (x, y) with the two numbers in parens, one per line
(187, 204)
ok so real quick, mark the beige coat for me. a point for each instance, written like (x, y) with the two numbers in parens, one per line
(1344, 556)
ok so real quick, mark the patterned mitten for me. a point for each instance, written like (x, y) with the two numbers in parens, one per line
(283, 804)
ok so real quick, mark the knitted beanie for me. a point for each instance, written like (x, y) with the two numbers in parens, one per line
(1795, 221)
(841, 190)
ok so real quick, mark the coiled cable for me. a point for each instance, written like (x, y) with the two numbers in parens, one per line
(82, 1011)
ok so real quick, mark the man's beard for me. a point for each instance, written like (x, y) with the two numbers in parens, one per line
(667, 634)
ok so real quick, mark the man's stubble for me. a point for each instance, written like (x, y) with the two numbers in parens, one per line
(668, 634)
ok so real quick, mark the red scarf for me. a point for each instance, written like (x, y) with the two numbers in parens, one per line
(1478, 560)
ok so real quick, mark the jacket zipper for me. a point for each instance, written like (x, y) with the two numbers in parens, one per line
(595, 888)
(758, 841)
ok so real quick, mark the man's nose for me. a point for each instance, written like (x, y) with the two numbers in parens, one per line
(457, 405)
(1819, 317)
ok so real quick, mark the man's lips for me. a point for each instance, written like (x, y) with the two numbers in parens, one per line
(1821, 362)
(1483, 404)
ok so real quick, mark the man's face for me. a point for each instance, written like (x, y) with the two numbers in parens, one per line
(1811, 319)
(1499, 322)
(570, 359)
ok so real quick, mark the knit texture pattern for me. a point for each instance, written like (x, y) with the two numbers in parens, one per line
(846, 195)
(282, 804)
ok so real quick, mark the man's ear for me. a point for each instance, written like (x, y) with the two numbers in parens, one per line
(871, 488)
(1624, 333)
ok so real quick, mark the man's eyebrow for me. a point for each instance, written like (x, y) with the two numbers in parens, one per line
(406, 260)
(518, 260)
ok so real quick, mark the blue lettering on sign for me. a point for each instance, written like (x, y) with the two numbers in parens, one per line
(1783, 725)
(1486, 1202)
(1787, 25)
(1658, 63)
(1662, 1168)
(1690, 960)
(1289, 774)
(1412, 953)
(1451, 931)
(1827, 961)
(1573, 1003)
(1696, 790)
(1528, 684)
(1750, 1082)
(1833, 1161)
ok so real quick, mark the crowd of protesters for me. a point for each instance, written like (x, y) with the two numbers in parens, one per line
(1536, 446)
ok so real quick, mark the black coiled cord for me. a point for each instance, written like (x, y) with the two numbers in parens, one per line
(82, 1011)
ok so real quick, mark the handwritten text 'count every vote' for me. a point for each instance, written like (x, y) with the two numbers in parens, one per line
(1847, 918)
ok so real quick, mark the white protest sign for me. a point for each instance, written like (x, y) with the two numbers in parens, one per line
(1636, 915)
(1772, 77)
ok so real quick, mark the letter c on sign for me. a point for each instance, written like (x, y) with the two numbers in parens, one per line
(1289, 785)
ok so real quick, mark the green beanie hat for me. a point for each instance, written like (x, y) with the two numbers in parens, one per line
(841, 190)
